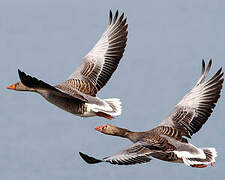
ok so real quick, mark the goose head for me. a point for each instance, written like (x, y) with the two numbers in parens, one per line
(106, 129)
(112, 130)
(19, 86)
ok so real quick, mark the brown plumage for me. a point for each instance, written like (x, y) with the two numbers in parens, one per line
(166, 141)
(77, 95)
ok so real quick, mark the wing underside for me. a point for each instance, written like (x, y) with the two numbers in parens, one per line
(195, 108)
(99, 64)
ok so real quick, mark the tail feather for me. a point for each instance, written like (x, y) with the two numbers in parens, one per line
(210, 155)
(112, 108)
(115, 104)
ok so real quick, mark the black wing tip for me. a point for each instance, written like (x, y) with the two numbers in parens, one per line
(113, 19)
(26, 79)
(209, 64)
(210, 61)
(22, 74)
(88, 159)
(33, 82)
(110, 16)
(203, 63)
(203, 67)
(219, 72)
(117, 12)
(122, 15)
(221, 69)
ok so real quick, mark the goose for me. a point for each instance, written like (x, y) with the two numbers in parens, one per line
(167, 142)
(77, 94)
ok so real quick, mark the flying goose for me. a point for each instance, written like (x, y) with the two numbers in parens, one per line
(77, 94)
(167, 142)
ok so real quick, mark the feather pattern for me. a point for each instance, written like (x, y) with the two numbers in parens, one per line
(166, 141)
(77, 94)
(99, 64)
(40, 85)
(194, 109)
(129, 156)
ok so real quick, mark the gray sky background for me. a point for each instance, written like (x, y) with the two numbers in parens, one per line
(162, 62)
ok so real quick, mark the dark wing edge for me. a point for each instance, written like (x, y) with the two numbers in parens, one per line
(100, 63)
(35, 83)
(117, 37)
(209, 97)
(89, 159)
(191, 113)
(135, 154)
(112, 160)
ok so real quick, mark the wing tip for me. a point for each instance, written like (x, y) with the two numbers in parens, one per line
(210, 61)
(19, 71)
(89, 159)
(209, 65)
(113, 19)
(110, 16)
(203, 66)
(22, 75)
(115, 16)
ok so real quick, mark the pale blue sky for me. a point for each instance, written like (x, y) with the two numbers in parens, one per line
(162, 61)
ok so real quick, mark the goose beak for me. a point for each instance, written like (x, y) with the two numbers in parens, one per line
(99, 128)
(13, 86)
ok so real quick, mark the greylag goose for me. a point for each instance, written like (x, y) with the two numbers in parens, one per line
(166, 141)
(77, 94)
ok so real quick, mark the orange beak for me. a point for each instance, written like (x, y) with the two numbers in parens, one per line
(99, 128)
(12, 87)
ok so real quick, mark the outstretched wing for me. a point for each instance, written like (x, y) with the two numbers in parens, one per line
(99, 64)
(40, 85)
(194, 109)
(137, 153)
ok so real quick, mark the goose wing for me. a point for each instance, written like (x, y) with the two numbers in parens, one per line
(194, 109)
(137, 153)
(99, 64)
(40, 85)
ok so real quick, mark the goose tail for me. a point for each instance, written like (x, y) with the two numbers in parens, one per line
(197, 162)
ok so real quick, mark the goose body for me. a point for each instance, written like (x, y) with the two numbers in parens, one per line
(77, 94)
(168, 141)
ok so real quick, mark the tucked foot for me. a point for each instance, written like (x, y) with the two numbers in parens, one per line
(212, 164)
(198, 165)
(107, 116)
